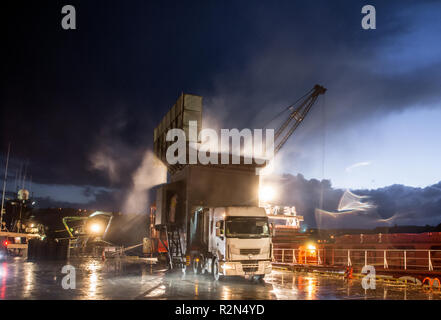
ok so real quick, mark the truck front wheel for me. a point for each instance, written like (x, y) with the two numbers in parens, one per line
(215, 270)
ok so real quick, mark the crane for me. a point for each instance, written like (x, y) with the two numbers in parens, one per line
(296, 116)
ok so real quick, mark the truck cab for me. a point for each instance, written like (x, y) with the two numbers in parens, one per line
(231, 241)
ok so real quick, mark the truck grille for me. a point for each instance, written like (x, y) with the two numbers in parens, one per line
(249, 251)
(250, 266)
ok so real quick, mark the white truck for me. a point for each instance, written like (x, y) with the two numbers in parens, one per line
(230, 241)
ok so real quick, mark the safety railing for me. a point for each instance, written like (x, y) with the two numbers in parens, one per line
(401, 259)
(77, 248)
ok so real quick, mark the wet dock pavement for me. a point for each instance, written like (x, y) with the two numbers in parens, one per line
(138, 279)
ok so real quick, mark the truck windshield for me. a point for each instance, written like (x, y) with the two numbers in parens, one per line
(247, 227)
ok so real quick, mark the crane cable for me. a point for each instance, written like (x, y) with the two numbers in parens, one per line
(323, 150)
(318, 217)
(287, 108)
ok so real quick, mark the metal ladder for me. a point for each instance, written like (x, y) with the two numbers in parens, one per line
(175, 256)
(71, 246)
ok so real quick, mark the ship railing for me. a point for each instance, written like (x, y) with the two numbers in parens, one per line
(392, 259)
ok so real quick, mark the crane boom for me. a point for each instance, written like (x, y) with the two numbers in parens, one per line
(296, 116)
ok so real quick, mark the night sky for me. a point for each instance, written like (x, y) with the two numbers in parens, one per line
(79, 106)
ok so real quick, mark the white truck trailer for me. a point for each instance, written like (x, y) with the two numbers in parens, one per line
(207, 215)
(230, 241)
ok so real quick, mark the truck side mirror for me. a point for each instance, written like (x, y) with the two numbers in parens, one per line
(220, 229)
(272, 229)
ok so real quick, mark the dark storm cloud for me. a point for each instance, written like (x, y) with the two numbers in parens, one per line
(393, 205)
(81, 105)
(413, 204)
(331, 49)
(94, 94)
(304, 194)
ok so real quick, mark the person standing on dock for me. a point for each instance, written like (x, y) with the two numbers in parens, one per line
(348, 273)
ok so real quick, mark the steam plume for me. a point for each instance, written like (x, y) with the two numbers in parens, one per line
(150, 173)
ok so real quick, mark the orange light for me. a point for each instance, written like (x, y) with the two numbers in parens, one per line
(5, 243)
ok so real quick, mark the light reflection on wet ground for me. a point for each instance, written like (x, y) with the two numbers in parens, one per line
(312, 286)
(122, 279)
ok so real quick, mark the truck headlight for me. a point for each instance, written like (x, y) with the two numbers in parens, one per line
(228, 266)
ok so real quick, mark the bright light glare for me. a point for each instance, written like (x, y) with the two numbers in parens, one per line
(266, 193)
(95, 228)
(311, 247)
